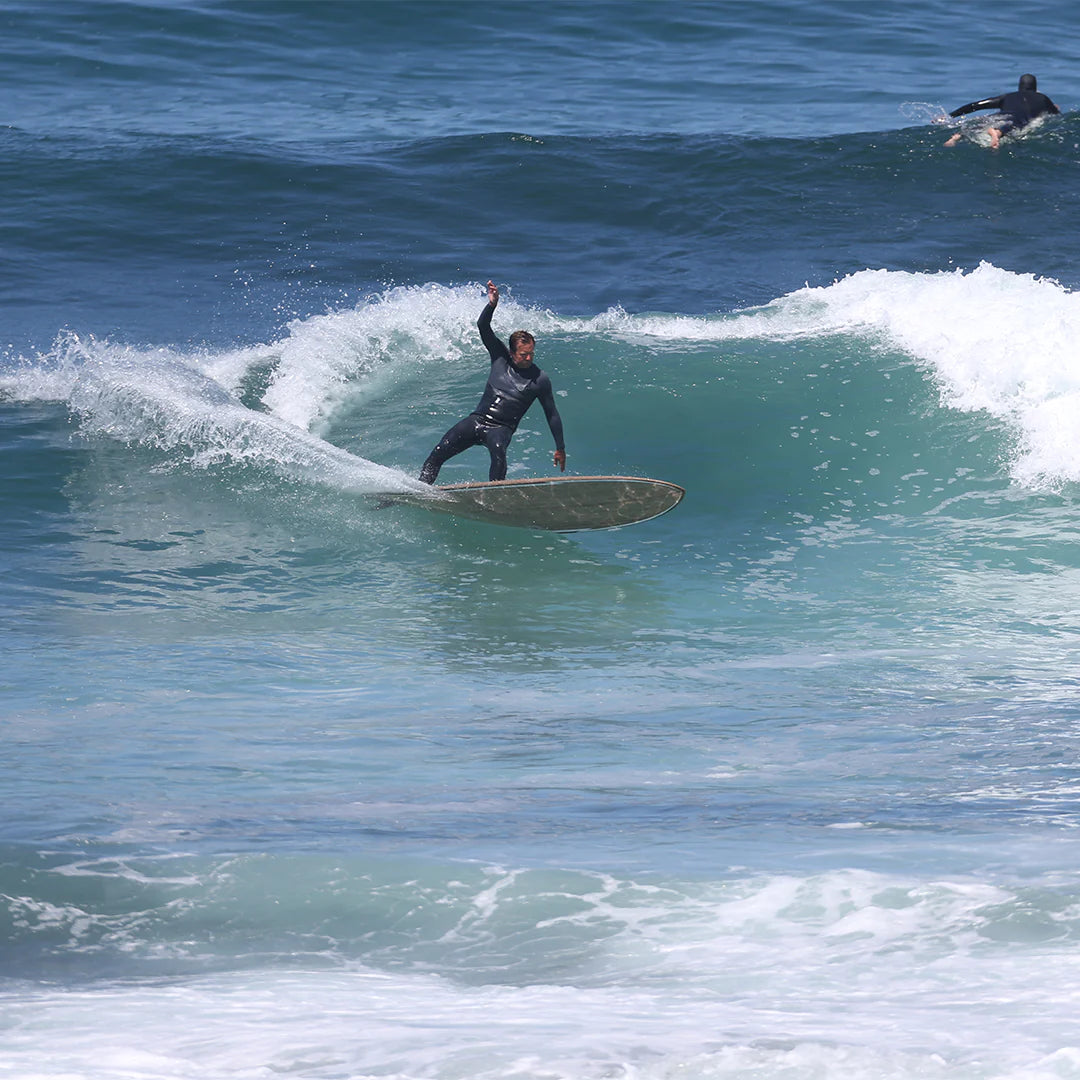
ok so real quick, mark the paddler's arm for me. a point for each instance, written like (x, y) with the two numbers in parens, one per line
(975, 106)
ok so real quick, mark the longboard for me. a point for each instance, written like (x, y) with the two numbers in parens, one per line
(554, 503)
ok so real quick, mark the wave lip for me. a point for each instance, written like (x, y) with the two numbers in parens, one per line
(993, 342)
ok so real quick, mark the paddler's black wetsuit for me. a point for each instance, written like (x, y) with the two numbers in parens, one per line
(1017, 109)
(507, 397)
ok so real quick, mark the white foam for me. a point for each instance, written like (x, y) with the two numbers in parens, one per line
(321, 360)
(360, 1023)
(164, 400)
(846, 974)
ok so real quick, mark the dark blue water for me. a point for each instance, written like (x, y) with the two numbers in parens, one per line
(780, 784)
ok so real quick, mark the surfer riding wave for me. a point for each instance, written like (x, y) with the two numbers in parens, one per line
(514, 383)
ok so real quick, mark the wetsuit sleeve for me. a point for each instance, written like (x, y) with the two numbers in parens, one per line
(975, 106)
(547, 400)
(496, 348)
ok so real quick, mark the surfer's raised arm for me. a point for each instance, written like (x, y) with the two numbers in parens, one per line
(495, 347)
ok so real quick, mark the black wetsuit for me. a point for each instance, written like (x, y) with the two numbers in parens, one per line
(1017, 109)
(506, 399)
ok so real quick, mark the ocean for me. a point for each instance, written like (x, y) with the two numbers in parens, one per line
(781, 785)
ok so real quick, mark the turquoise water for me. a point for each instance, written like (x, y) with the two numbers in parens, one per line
(781, 784)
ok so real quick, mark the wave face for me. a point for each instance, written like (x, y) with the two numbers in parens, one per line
(780, 784)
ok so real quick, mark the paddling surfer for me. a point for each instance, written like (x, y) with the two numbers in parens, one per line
(1016, 110)
(514, 383)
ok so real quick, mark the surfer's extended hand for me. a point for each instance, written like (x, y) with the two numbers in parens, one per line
(493, 294)
(560, 460)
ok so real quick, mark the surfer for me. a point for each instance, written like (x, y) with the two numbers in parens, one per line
(514, 384)
(1016, 110)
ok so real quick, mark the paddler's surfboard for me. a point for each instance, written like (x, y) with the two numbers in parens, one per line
(555, 503)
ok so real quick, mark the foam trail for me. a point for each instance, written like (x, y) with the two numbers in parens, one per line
(159, 399)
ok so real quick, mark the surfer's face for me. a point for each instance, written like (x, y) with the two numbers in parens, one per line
(522, 355)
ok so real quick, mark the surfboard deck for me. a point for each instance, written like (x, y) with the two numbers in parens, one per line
(554, 503)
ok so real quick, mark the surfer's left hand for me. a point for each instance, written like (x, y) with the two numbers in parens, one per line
(560, 460)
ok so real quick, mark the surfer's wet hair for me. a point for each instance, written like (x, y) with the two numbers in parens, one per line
(1028, 82)
(519, 336)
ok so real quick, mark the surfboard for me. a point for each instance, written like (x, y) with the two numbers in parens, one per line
(554, 503)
